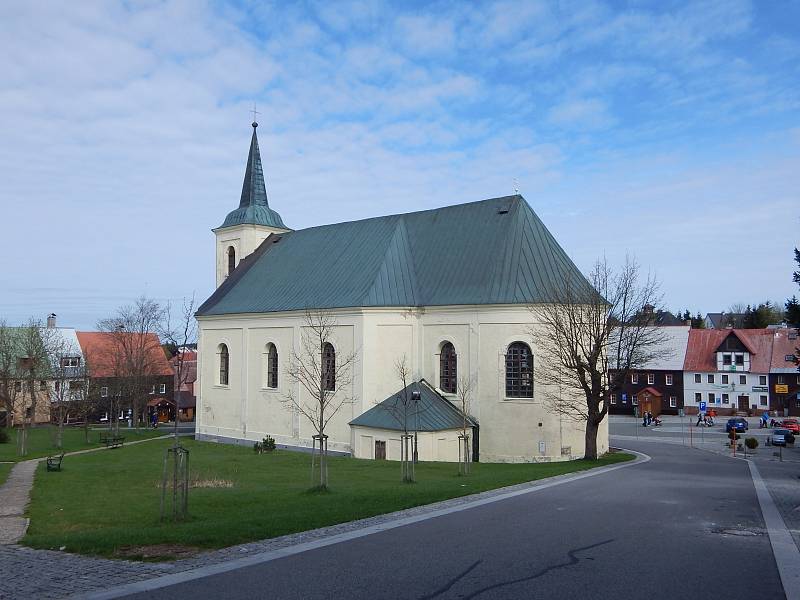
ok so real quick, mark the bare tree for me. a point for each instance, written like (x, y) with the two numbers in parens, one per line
(175, 474)
(8, 368)
(404, 409)
(180, 333)
(135, 352)
(464, 389)
(69, 383)
(734, 317)
(324, 381)
(589, 335)
(24, 365)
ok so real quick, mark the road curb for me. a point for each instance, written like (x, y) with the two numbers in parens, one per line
(787, 556)
(271, 555)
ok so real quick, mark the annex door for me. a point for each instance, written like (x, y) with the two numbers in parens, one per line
(744, 402)
(380, 450)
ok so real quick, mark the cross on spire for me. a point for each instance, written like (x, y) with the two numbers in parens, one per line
(255, 112)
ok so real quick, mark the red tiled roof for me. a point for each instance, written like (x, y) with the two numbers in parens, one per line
(703, 344)
(100, 348)
(782, 347)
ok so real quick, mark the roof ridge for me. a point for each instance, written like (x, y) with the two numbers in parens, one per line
(512, 199)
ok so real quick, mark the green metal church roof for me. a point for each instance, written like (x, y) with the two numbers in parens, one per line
(494, 251)
(253, 204)
(431, 413)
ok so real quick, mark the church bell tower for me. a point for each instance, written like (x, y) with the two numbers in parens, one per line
(246, 227)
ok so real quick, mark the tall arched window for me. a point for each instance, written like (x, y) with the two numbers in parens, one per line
(519, 371)
(224, 364)
(231, 259)
(448, 368)
(272, 366)
(328, 367)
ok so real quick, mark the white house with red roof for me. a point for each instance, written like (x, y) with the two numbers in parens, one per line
(728, 370)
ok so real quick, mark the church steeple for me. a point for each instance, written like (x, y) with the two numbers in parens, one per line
(247, 226)
(253, 204)
(254, 190)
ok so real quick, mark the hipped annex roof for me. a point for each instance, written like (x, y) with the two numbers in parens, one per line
(432, 412)
(494, 251)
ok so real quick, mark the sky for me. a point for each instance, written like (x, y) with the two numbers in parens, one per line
(665, 131)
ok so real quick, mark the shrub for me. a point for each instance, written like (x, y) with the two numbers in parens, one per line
(268, 443)
(3, 436)
(751, 443)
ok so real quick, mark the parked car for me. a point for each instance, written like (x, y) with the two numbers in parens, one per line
(792, 425)
(738, 423)
(781, 437)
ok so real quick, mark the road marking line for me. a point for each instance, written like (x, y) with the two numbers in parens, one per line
(785, 551)
(270, 555)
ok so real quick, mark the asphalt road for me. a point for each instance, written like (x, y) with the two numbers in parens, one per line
(686, 524)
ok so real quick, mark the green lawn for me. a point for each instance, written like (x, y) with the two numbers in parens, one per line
(108, 502)
(4, 471)
(41, 440)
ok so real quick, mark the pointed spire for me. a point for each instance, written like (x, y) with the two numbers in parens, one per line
(253, 205)
(254, 190)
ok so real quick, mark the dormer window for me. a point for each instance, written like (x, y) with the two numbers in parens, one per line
(726, 359)
(740, 360)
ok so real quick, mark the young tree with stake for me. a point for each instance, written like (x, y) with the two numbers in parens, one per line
(320, 381)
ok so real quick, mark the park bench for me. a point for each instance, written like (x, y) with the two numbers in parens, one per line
(112, 441)
(54, 462)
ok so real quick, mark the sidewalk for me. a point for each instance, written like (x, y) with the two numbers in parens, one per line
(15, 494)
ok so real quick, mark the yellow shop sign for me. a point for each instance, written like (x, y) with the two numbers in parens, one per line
(781, 388)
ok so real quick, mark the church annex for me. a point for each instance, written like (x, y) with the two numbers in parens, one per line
(449, 289)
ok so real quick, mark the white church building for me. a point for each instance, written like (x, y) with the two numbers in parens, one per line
(449, 289)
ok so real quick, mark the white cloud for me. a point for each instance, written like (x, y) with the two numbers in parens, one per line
(125, 127)
(581, 114)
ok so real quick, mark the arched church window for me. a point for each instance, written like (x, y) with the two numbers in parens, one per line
(328, 367)
(272, 366)
(224, 364)
(448, 368)
(519, 371)
(231, 259)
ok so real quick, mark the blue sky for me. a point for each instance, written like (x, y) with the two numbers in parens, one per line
(669, 131)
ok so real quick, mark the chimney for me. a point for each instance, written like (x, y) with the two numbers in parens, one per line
(51, 320)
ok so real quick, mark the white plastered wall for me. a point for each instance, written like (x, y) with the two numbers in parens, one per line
(511, 430)
(431, 445)
(244, 239)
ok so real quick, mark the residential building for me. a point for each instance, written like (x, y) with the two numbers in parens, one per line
(24, 377)
(127, 369)
(68, 382)
(728, 370)
(447, 290)
(657, 387)
(184, 389)
(784, 377)
(723, 320)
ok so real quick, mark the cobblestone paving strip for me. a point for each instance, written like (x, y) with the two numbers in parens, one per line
(26, 573)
